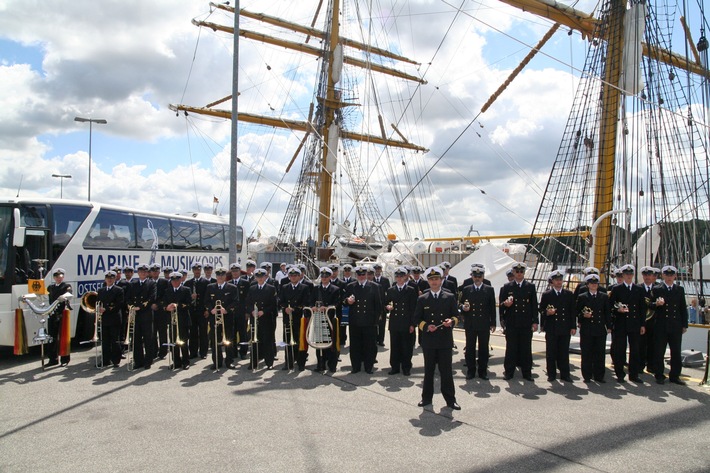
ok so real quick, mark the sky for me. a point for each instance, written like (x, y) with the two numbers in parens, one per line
(125, 61)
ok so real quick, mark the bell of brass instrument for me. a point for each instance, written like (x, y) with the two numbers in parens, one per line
(320, 328)
(175, 320)
(129, 340)
(88, 302)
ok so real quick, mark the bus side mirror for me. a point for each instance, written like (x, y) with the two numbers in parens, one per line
(18, 237)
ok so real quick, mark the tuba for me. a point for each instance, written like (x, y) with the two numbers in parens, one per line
(320, 328)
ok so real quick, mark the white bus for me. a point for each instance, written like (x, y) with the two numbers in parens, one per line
(87, 239)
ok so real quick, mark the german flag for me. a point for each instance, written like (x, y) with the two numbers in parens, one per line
(20, 333)
(65, 334)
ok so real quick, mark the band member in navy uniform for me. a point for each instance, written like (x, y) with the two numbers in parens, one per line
(111, 298)
(478, 309)
(160, 317)
(56, 289)
(418, 282)
(646, 340)
(199, 341)
(364, 299)
(582, 287)
(671, 323)
(559, 322)
(594, 321)
(293, 297)
(228, 296)
(384, 284)
(401, 301)
(264, 296)
(628, 315)
(436, 315)
(240, 320)
(178, 298)
(342, 283)
(142, 294)
(327, 294)
(449, 283)
(519, 318)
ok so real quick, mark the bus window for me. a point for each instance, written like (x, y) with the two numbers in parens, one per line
(153, 233)
(213, 237)
(65, 220)
(33, 216)
(5, 235)
(111, 229)
(29, 257)
(186, 235)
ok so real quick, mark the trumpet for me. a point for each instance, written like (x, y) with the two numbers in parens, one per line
(551, 307)
(587, 312)
(129, 340)
(620, 305)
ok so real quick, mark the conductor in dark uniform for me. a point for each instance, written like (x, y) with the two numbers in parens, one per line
(518, 316)
(401, 302)
(111, 298)
(178, 298)
(478, 309)
(56, 289)
(671, 323)
(364, 300)
(436, 314)
(628, 315)
(558, 320)
(594, 321)
(264, 297)
(143, 296)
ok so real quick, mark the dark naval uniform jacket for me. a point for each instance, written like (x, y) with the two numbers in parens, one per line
(182, 297)
(635, 318)
(112, 300)
(228, 296)
(565, 319)
(482, 312)
(600, 321)
(142, 296)
(368, 303)
(295, 297)
(404, 303)
(433, 311)
(420, 285)
(56, 290)
(674, 312)
(523, 312)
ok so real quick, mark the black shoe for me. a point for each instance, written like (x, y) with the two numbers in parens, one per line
(507, 377)
(230, 366)
(115, 365)
(213, 367)
(204, 357)
(424, 403)
(64, 363)
(146, 366)
(528, 378)
(123, 357)
(621, 379)
(186, 367)
(587, 380)
(470, 375)
(380, 344)
(661, 380)
(454, 406)
(677, 381)
(636, 379)
(551, 378)
(369, 371)
(600, 380)
(301, 368)
(484, 377)
(406, 372)
(52, 363)
(391, 372)
(567, 379)
(269, 367)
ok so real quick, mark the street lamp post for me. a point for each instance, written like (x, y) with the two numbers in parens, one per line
(61, 183)
(91, 121)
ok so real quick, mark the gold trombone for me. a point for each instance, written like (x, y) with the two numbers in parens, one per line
(219, 322)
(288, 342)
(254, 339)
(91, 305)
(129, 340)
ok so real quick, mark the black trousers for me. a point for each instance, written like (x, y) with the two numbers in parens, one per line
(161, 319)
(618, 355)
(291, 330)
(52, 348)
(363, 345)
(401, 348)
(227, 328)
(111, 344)
(440, 357)
(671, 338)
(181, 353)
(483, 338)
(241, 336)
(143, 341)
(198, 334)
(557, 354)
(646, 344)
(593, 353)
(518, 350)
(381, 328)
(264, 349)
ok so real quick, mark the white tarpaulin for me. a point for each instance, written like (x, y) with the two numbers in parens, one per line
(706, 268)
(495, 261)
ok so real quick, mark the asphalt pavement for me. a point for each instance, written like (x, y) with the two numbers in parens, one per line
(79, 418)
